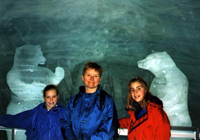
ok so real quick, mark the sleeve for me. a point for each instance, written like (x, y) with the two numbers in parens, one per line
(20, 120)
(108, 129)
(163, 127)
(65, 122)
(124, 122)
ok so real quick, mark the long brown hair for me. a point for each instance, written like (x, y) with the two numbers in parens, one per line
(131, 102)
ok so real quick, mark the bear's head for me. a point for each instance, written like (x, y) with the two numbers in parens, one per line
(156, 62)
(29, 55)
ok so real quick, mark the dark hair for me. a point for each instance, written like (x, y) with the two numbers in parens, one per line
(50, 87)
(93, 65)
(130, 102)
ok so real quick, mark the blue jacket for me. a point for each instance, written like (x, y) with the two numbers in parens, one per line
(87, 120)
(39, 123)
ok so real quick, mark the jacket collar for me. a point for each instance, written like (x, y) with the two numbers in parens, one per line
(152, 104)
(54, 109)
(135, 123)
(82, 89)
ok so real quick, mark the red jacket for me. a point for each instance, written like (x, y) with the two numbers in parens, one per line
(154, 125)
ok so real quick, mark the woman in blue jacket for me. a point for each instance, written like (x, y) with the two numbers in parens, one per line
(42, 122)
(90, 114)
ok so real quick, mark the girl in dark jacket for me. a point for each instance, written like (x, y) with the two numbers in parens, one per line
(42, 122)
(147, 121)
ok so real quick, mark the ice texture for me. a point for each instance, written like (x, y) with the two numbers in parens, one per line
(27, 79)
(170, 85)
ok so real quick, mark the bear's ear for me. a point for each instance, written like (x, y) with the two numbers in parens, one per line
(18, 50)
(165, 54)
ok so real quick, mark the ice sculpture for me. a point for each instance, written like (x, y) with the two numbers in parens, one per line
(112, 86)
(27, 80)
(170, 85)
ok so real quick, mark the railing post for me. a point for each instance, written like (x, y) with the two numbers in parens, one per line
(13, 133)
(197, 133)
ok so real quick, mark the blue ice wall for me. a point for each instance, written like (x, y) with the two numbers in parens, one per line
(116, 34)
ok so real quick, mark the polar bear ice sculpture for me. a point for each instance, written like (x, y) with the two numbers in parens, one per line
(27, 80)
(170, 85)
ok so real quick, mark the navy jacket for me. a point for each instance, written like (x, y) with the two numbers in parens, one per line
(39, 123)
(87, 120)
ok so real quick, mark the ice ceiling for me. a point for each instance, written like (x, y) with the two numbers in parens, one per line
(116, 34)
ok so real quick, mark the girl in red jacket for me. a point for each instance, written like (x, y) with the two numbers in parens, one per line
(147, 121)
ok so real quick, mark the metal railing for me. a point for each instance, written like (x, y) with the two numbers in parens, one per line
(9, 129)
(176, 132)
(185, 132)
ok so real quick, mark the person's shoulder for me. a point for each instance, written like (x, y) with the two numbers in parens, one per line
(75, 97)
(73, 100)
(106, 95)
(155, 108)
(157, 101)
(153, 105)
(59, 105)
(40, 105)
(108, 99)
(156, 111)
(60, 108)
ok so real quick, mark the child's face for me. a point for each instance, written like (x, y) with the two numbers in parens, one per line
(137, 91)
(51, 98)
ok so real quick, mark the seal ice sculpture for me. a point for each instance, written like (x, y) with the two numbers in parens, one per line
(170, 85)
(27, 80)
